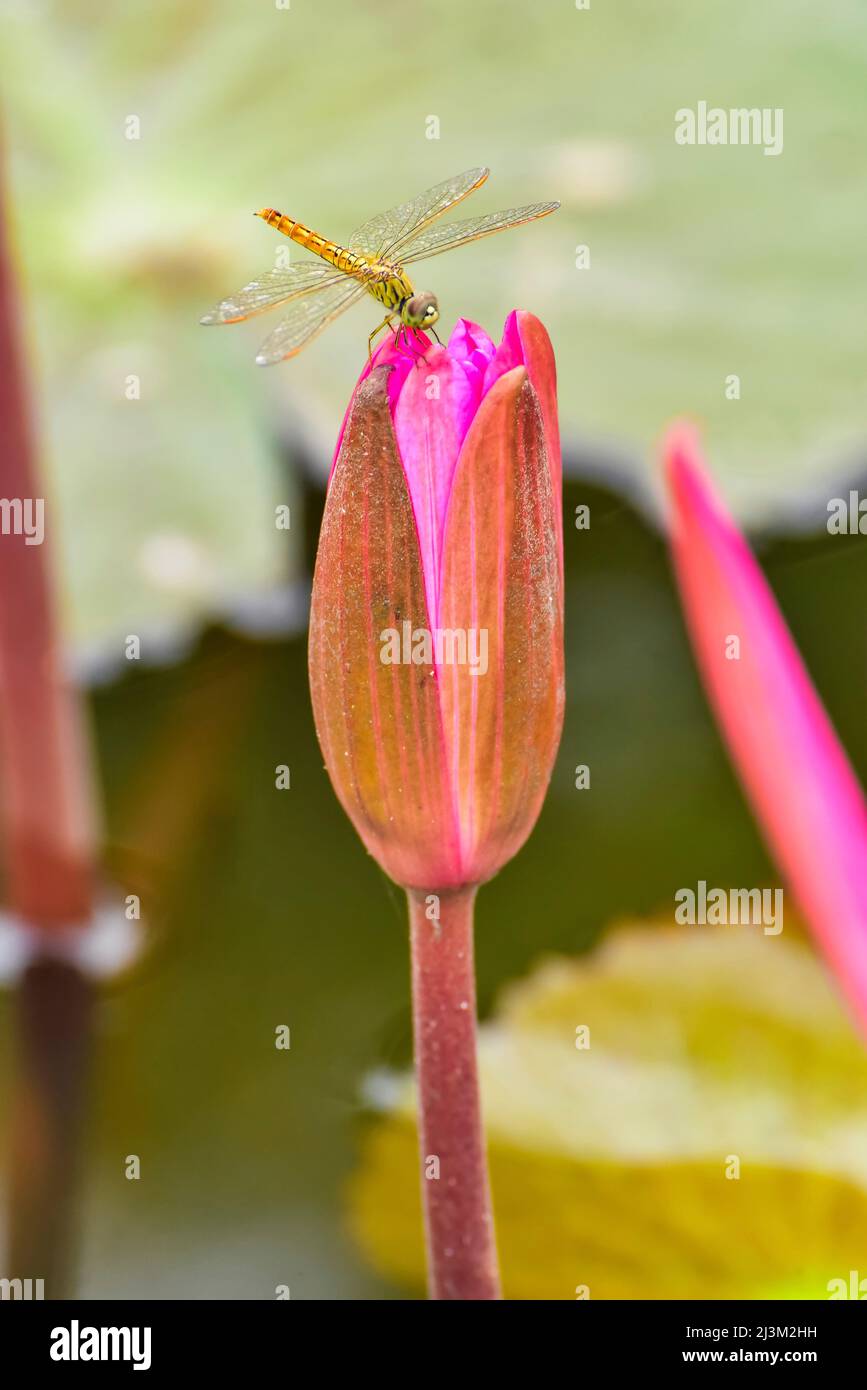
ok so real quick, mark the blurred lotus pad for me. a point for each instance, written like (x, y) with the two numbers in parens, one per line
(710, 1142)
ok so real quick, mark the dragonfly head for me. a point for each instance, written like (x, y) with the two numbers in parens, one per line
(422, 310)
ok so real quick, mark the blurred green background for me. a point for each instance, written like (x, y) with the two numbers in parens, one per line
(703, 262)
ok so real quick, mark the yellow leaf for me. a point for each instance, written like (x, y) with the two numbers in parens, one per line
(710, 1142)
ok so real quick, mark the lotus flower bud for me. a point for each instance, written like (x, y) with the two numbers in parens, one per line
(436, 626)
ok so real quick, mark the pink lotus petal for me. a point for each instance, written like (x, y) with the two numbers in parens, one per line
(501, 576)
(538, 357)
(797, 777)
(509, 354)
(471, 346)
(435, 406)
(526, 344)
(441, 514)
(469, 340)
(379, 726)
(386, 355)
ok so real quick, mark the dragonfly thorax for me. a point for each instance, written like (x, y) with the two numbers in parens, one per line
(421, 310)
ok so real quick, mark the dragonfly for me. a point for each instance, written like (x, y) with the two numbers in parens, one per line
(374, 261)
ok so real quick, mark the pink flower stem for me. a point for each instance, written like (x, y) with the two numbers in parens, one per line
(47, 841)
(47, 809)
(456, 1196)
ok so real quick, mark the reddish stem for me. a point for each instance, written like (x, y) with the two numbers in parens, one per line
(47, 809)
(47, 838)
(456, 1197)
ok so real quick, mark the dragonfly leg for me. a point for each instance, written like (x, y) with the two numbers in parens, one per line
(386, 322)
(415, 346)
(405, 342)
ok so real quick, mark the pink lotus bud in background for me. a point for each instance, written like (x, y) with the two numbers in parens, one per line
(436, 626)
(803, 791)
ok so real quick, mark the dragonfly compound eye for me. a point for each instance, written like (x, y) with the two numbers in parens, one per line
(422, 310)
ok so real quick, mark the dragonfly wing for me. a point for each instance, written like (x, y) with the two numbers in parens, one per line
(386, 233)
(307, 317)
(432, 241)
(273, 288)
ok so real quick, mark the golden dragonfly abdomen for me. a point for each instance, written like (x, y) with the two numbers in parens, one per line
(351, 262)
